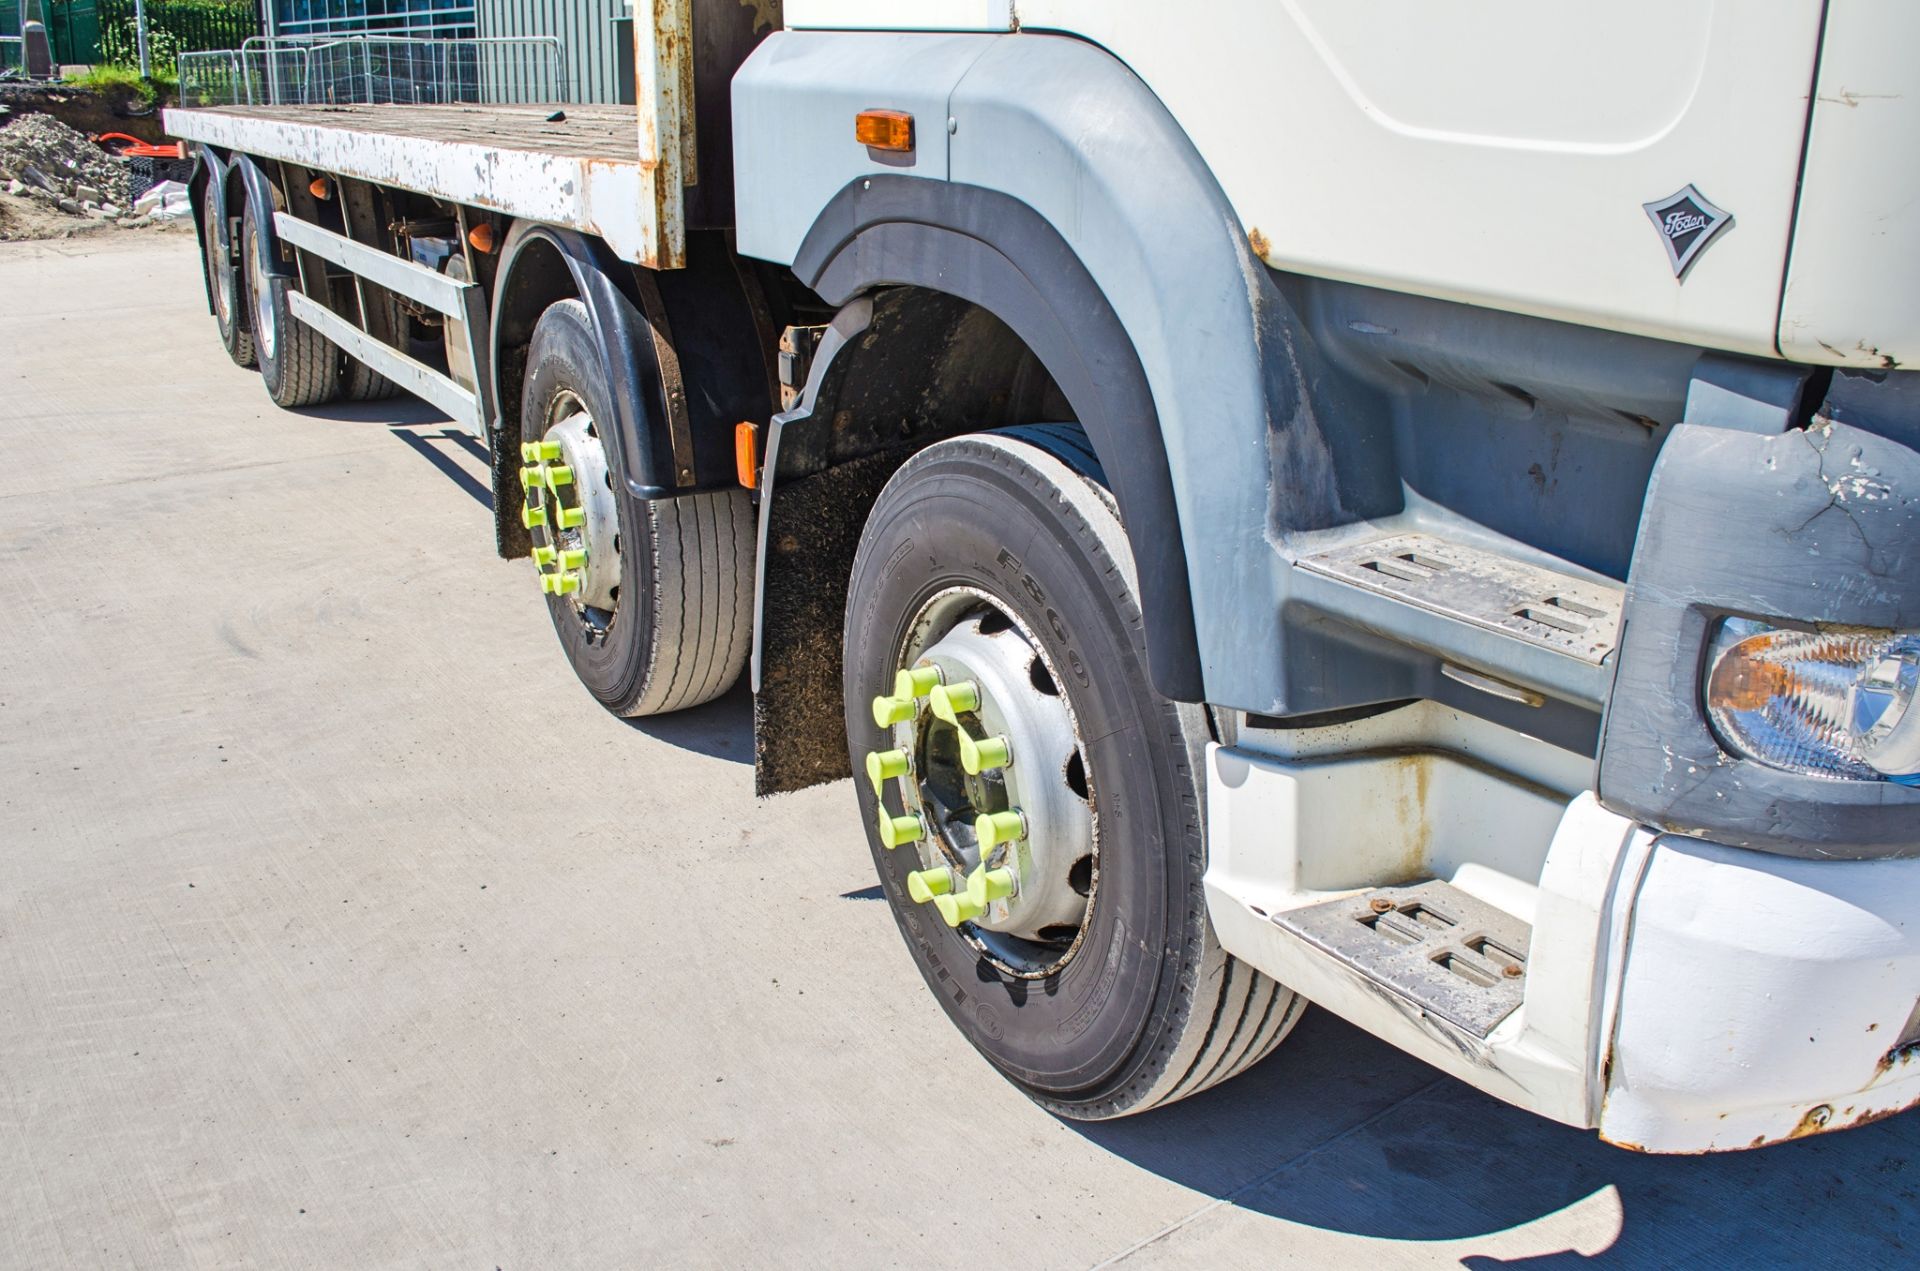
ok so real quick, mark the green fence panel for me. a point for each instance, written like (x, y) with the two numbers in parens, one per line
(73, 28)
(173, 26)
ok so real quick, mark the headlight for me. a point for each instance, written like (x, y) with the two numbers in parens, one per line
(1836, 703)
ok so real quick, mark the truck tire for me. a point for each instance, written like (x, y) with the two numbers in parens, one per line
(301, 367)
(996, 565)
(652, 599)
(360, 382)
(223, 284)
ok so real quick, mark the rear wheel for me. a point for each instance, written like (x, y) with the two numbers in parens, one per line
(1034, 806)
(652, 599)
(301, 367)
(358, 381)
(223, 284)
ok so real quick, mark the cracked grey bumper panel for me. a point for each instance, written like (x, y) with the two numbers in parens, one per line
(1816, 527)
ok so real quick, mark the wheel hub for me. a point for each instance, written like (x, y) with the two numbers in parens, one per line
(261, 285)
(570, 515)
(991, 782)
(218, 269)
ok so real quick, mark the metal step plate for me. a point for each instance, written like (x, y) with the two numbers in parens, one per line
(1556, 611)
(1456, 958)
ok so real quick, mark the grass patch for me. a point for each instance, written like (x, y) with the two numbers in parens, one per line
(155, 91)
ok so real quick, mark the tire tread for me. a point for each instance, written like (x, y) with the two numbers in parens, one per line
(703, 599)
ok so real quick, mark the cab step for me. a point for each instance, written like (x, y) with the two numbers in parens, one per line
(1569, 615)
(1451, 955)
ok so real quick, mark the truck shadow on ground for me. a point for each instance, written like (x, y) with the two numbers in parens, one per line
(1340, 1131)
(455, 453)
(721, 729)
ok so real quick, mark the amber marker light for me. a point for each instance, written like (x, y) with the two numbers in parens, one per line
(480, 237)
(321, 189)
(884, 129)
(745, 447)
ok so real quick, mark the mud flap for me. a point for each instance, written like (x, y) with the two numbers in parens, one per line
(813, 532)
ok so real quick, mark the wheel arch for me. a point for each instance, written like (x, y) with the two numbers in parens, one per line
(541, 265)
(675, 407)
(247, 184)
(1041, 159)
(208, 181)
(993, 251)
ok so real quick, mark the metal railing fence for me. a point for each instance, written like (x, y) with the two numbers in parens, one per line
(294, 71)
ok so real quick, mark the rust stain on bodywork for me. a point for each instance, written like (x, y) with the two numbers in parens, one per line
(1258, 241)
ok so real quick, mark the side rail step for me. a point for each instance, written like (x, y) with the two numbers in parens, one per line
(462, 301)
(1475, 607)
(1454, 957)
(1555, 611)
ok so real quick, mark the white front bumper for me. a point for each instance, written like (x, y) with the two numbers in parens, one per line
(1762, 999)
(1680, 996)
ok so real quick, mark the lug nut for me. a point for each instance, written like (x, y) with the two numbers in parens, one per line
(895, 830)
(531, 516)
(573, 558)
(985, 886)
(995, 828)
(924, 884)
(950, 701)
(542, 557)
(984, 756)
(885, 765)
(916, 682)
(572, 518)
(559, 474)
(888, 711)
(957, 909)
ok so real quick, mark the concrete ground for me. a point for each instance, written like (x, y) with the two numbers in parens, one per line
(339, 928)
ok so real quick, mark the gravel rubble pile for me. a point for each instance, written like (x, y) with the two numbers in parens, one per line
(43, 159)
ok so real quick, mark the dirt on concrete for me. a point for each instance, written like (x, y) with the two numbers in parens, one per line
(24, 218)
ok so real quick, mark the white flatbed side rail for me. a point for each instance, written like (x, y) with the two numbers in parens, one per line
(608, 197)
(450, 296)
(414, 376)
(633, 199)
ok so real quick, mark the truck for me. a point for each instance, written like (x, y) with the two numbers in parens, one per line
(1409, 508)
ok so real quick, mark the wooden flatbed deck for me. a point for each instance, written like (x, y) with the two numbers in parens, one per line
(585, 172)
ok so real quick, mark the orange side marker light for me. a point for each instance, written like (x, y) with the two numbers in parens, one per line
(746, 451)
(884, 129)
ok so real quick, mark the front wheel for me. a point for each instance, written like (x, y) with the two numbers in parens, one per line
(652, 599)
(1034, 806)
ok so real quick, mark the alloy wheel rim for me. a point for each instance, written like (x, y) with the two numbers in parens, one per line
(571, 515)
(989, 775)
(262, 288)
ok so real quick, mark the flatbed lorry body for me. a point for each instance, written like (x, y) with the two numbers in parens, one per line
(1409, 510)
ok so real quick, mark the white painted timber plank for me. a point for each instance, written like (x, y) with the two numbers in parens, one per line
(611, 198)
